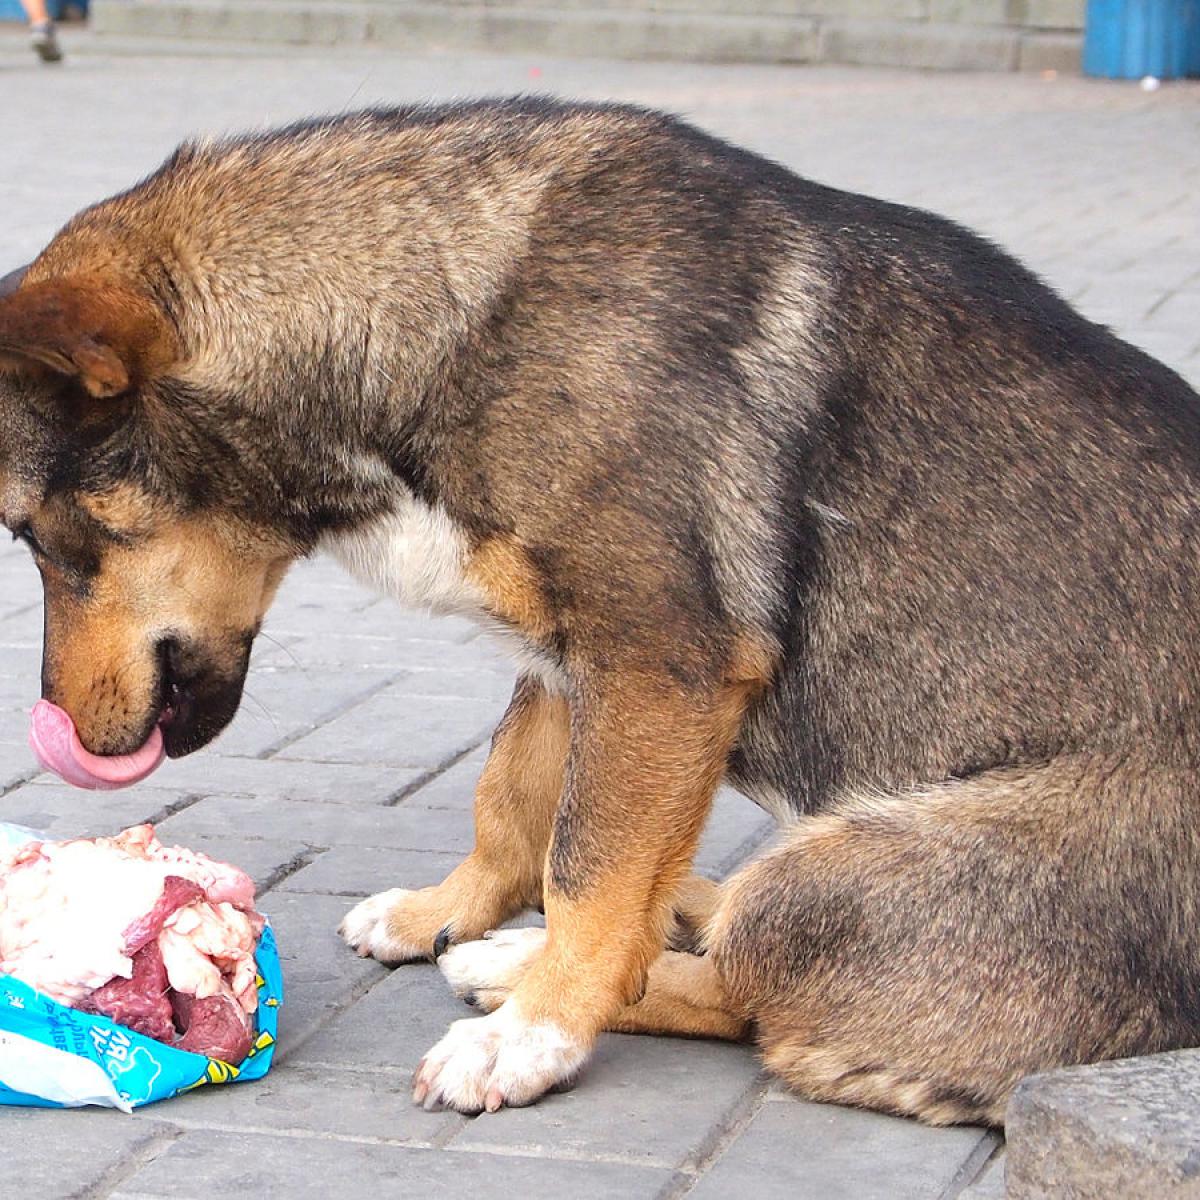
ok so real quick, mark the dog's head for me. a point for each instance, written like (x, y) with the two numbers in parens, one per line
(155, 584)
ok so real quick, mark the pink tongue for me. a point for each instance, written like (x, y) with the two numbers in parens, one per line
(58, 748)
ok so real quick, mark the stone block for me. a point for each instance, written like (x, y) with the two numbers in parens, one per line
(365, 870)
(393, 1025)
(317, 825)
(53, 1154)
(298, 1101)
(793, 1150)
(422, 731)
(1062, 52)
(1129, 1128)
(206, 1163)
(63, 811)
(322, 976)
(208, 773)
(650, 1101)
(282, 704)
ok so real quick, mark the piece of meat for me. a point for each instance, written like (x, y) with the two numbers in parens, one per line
(215, 1025)
(138, 932)
(177, 892)
(140, 1002)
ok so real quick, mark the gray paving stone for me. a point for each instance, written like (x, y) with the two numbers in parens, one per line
(263, 859)
(211, 774)
(653, 1101)
(64, 812)
(317, 824)
(989, 1184)
(792, 1150)
(283, 703)
(401, 730)
(55, 1155)
(364, 870)
(1129, 1128)
(736, 828)
(392, 1026)
(290, 1099)
(454, 787)
(321, 975)
(205, 1163)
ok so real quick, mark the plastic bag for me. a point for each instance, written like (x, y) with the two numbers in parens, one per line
(53, 1056)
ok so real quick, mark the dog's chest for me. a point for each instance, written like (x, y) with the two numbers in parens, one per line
(417, 555)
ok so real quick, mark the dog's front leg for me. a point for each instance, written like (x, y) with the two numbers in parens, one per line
(646, 757)
(515, 803)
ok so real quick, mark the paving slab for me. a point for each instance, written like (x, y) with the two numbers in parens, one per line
(653, 1101)
(792, 1150)
(365, 870)
(207, 1163)
(391, 1026)
(320, 824)
(423, 731)
(55, 1155)
(322, 977)
(1129, 1128)
(374, 1105)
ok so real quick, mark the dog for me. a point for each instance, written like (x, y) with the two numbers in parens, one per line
(763, 482)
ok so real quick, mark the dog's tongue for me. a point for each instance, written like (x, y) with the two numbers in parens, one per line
(58, 748)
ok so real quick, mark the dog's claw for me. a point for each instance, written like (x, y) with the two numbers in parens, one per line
(441, 942)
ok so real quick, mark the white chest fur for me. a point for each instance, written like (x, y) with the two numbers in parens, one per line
(415, 554)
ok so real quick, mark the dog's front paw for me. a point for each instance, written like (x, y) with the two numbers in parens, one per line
(378, 928)
(484, 972)
(497, 1060)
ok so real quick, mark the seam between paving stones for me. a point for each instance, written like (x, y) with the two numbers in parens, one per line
(20, 781)
(557, 1154)
(357, 991)
(142, 1155)
(410, 789)
(723, 1135)
(297, 862)
(759, 838)
(339, 711)
(973, 1166)
(300, 1134)
(174, 807)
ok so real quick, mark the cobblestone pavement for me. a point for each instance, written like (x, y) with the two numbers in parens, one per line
(351, 764)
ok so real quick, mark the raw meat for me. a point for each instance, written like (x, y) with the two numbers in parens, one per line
(158, 938)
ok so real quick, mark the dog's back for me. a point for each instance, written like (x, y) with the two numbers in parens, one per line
(764, 478)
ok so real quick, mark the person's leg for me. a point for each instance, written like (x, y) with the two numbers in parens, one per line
(43, 37)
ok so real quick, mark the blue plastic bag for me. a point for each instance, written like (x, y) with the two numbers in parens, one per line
(53, 1056)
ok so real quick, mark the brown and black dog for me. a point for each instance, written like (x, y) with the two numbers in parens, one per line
(765, 482)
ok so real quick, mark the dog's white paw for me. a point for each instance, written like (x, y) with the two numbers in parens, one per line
(497, 1060)
(369, 928)
(477, 971)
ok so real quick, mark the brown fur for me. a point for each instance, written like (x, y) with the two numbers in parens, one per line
(770, 484)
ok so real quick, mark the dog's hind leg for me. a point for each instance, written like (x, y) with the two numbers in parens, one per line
(684, 995)
(515, 802)
(920, 953)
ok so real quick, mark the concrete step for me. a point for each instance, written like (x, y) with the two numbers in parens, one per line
(682, 30)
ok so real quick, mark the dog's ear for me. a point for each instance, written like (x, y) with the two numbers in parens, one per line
(104, 334)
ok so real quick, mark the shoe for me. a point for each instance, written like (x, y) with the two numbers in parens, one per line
(44, 40)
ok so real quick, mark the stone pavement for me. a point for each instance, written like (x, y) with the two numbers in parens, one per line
(350, 766)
